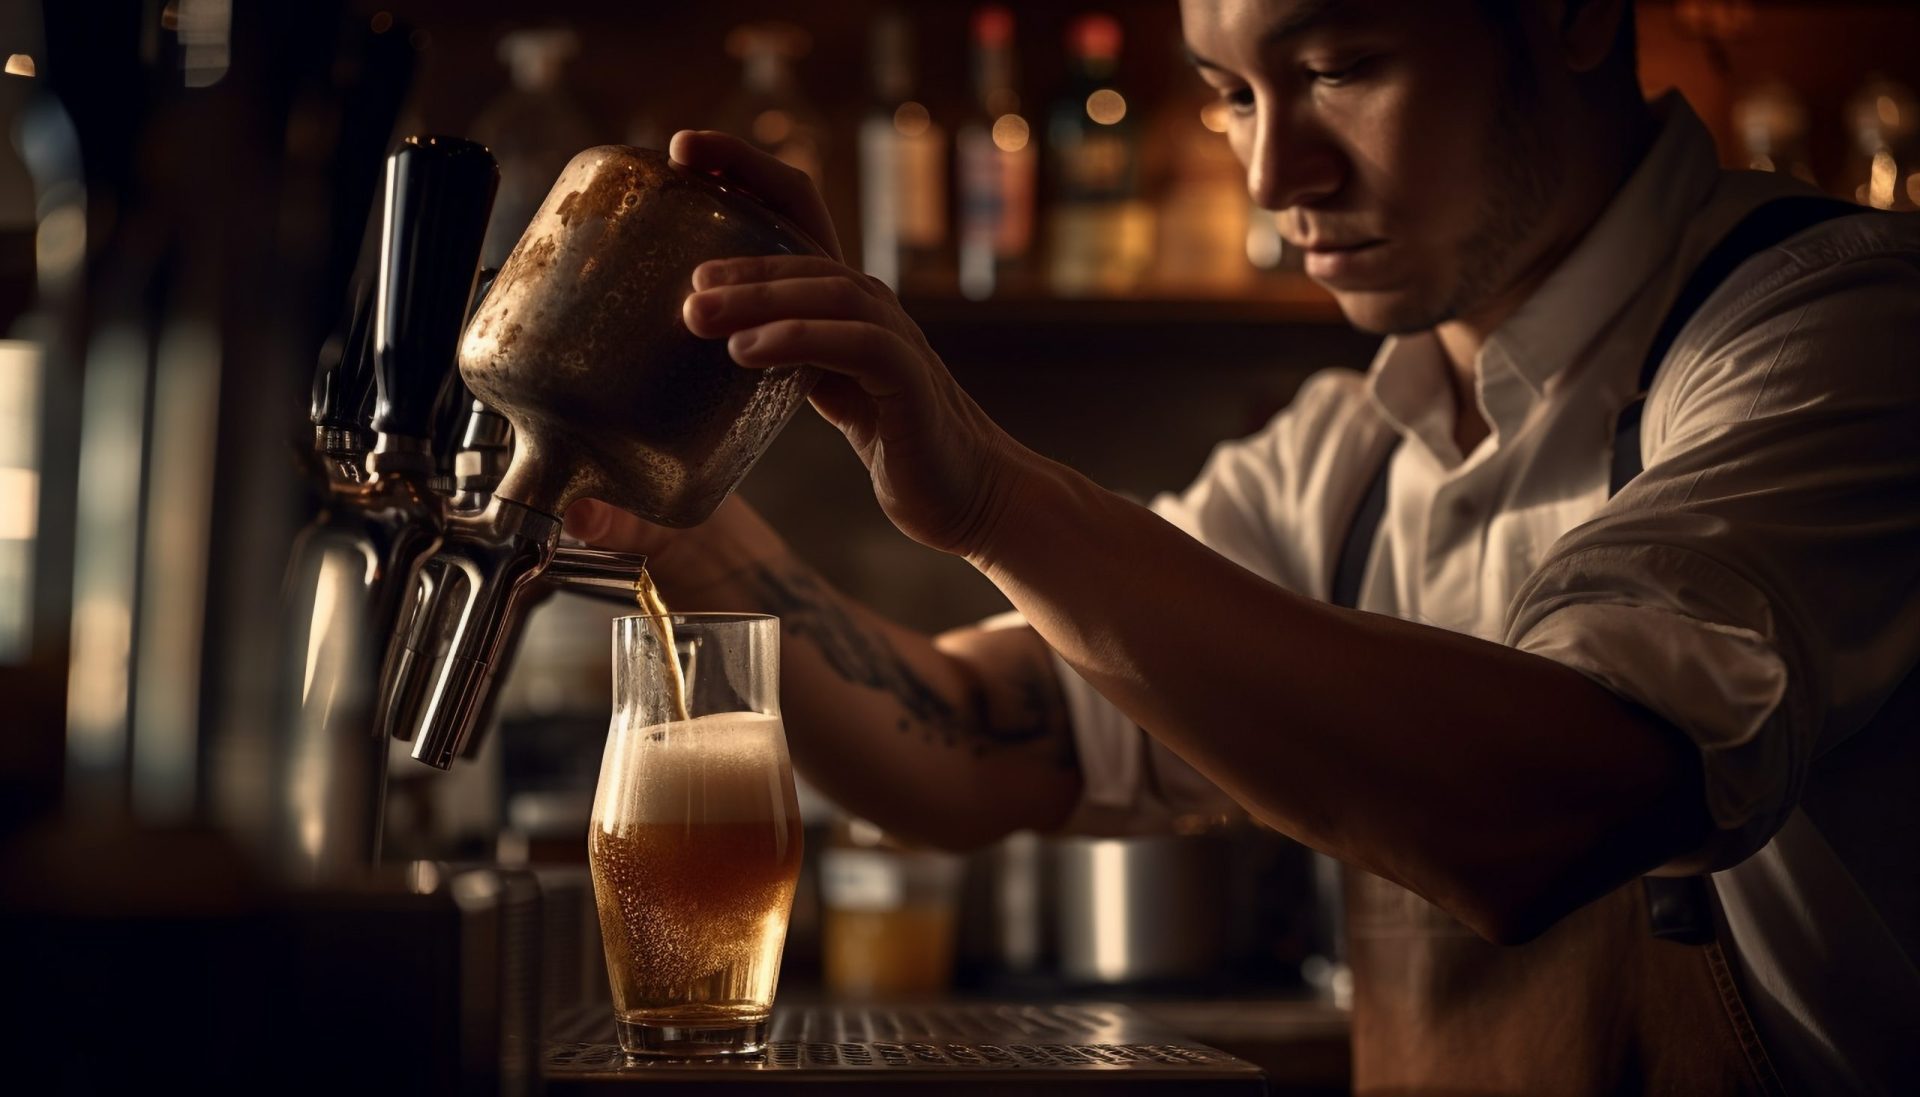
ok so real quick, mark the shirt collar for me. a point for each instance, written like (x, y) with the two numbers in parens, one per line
(1632, 239)
(1409, 387)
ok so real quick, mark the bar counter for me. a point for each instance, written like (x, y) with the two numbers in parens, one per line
(156, 957)
(1279, 1045)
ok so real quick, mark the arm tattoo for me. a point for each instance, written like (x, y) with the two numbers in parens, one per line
(809, 611)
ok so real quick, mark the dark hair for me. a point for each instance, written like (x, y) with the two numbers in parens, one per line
(1505, 17)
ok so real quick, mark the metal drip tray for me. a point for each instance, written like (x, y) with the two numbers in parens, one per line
(1005, 1050)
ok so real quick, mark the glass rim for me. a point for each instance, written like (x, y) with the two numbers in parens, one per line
(698, 617)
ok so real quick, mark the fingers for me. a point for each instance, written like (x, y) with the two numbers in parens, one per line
(719, 312)
(881, 362)
(786, 189)
(779, 310)
(766, 268)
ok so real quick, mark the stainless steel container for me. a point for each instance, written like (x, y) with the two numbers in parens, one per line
(1135, 910)
(1230, 907)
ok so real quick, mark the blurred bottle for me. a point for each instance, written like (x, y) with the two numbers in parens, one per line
(1267, 250)
(768, 109)
(43, 252)
(43, 247)
(998, 157)
(533, 129)
(1205, 214)
(1884, 118)
(20, 369)
(646, 130)
(1771, 120)
(887, 914)
(18, 219)
(1100, 229)
(903, 168)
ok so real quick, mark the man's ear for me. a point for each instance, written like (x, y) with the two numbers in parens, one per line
(1588, 29)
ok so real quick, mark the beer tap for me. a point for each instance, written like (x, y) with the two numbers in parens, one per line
(485, 441)
(486, 445)
(343, 395)
(418, 656)
(493, 564)
(353, 566)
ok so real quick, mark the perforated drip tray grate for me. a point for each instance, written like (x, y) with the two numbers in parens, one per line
(1002, 1049)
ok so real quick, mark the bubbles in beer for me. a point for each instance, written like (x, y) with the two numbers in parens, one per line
(695, 848)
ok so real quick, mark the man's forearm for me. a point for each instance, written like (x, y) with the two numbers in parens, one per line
(1504, 787)
(954, 740)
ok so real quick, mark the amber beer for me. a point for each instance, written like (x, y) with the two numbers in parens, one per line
(694, 846)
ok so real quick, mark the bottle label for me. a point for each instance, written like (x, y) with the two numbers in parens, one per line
(903, 194)
(861, 879)
(1099, 247)
(1100, 163)
(996, 200)
(920, 173)
(879, 197)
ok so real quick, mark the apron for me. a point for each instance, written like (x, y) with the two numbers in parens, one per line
(1632, 993)
(1596, 1005)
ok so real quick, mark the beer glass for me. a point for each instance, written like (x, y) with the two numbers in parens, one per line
(695, 839)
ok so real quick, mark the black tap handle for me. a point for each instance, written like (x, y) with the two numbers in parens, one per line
(439, 193)
(482, 285)
(456, 402)
(343, 385)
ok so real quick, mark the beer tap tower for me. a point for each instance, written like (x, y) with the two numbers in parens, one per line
(370, 573)
(354, 567)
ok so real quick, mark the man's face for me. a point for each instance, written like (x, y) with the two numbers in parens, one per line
(1401, 141)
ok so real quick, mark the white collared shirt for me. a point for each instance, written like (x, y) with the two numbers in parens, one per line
(1758, 586)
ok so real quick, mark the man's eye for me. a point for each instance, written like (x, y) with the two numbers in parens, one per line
(1334, 76)
(1239, 100)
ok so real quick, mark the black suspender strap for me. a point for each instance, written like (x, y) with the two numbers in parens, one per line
(1767, 225)
(1357, 548)
(1679, 908)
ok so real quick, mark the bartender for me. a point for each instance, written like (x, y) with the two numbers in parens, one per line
(1581, 627)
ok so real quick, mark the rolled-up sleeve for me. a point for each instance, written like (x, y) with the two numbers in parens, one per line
(1758, 586)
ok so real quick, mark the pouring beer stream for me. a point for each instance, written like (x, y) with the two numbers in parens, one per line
(648, 597)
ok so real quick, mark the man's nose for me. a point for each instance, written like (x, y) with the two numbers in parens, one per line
(1292, 162)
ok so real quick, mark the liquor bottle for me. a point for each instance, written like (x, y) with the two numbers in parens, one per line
(532, 129)
(903, 168)
(1206, 224)
(997, 154)
(21, 370)
(1099, 229)
(768, 110)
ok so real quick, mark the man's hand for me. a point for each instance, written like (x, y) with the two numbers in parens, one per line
(941, 469)
(785, 190)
